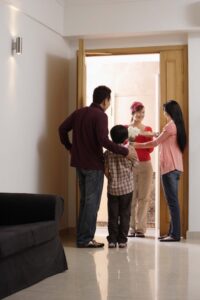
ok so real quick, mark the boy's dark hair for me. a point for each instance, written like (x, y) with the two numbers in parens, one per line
(119, 134)
(101, 93)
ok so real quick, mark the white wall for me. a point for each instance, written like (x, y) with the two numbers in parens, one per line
(34, 98)
(121, 17)
(47, 12)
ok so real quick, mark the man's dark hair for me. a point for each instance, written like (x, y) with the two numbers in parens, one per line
(119, 134)
(101, 93)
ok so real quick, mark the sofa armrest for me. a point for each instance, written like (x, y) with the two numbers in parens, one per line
(18, 208)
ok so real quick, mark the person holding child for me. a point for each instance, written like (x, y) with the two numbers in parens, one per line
(119, 172)
(143, 174)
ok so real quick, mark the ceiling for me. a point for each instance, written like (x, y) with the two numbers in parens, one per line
(99, 1)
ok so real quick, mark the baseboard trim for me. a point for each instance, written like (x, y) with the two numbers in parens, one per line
(193, 235)
(69, 230)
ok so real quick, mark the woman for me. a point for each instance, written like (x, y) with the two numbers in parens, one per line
(142, 173)
(172, 143)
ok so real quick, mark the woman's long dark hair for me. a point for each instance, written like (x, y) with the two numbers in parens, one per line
(173, 109)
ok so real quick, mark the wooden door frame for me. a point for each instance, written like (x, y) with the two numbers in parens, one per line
(154, 50)
(80, 100)
(135, 50)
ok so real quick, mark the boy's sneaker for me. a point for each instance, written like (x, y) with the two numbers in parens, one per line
(122, 245)
(112, 245)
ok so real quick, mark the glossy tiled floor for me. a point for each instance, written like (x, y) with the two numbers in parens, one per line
(146, 270)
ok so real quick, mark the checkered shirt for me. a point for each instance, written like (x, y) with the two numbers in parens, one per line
(120, 178)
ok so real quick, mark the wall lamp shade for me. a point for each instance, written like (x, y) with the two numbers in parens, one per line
(17, 46)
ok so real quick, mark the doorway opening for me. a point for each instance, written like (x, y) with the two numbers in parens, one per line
(133, 77)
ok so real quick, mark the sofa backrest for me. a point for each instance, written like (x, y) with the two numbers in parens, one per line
(18, 208)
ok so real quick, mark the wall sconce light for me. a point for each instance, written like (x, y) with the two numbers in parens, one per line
(17, 46)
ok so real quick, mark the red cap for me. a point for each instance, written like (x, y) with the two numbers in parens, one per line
(135, 105)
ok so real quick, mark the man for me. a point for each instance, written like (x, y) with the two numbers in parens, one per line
(89, 127)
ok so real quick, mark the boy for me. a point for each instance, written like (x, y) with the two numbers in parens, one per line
(119, 172)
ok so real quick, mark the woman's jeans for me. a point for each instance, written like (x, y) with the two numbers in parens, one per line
(90, 185)
(170, 187)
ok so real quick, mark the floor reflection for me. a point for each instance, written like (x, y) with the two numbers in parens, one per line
(146, 270)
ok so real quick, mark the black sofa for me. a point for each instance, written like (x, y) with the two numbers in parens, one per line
(30, 247)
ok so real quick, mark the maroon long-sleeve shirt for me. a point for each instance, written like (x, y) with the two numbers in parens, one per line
(89, 127)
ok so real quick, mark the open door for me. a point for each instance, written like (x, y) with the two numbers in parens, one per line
(173, 80)
(81, 98)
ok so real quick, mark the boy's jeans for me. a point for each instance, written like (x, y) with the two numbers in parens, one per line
(170, 187)
(119, 211)
(90, 185)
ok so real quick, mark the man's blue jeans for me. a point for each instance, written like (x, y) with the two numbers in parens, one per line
(90, 185)
(170, 186)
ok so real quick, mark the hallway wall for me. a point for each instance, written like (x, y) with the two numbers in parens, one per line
(33, 100)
